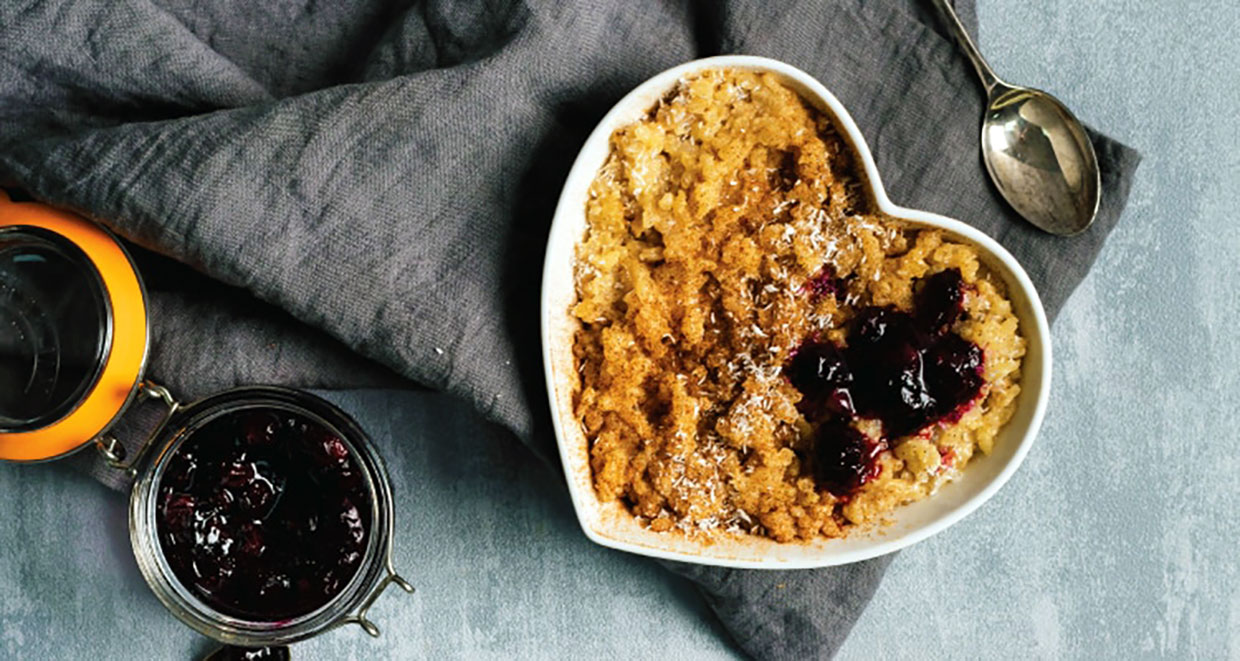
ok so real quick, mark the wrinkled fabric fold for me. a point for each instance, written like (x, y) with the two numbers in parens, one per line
(358, 194)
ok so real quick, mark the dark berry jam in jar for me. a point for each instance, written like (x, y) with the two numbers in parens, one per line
(263, 514)
(265, 518)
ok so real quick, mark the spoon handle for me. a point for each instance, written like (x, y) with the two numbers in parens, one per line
(989, 79)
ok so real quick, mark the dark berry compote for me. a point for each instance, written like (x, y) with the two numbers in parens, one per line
(263, 514)
(907, 370)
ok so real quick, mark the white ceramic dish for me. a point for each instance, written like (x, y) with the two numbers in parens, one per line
(609, 524)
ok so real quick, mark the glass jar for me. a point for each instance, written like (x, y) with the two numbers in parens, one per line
(373, 575)
(73, 347)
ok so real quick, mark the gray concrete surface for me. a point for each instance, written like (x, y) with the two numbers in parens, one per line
(1118, 538)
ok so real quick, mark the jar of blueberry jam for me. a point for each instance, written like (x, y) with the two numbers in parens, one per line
(259, 516)
(265, 518)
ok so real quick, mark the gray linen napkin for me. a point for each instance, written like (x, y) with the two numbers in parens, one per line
(378, 177)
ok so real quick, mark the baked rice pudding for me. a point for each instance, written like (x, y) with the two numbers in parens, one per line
(760, 351)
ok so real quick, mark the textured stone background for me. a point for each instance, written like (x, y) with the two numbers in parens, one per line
(1117, 539)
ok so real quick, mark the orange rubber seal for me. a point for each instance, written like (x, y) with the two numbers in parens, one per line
(127, 355)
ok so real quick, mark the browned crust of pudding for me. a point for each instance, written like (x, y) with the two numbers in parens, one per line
(705, 227)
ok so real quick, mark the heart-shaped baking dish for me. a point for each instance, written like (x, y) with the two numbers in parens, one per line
(610, 524)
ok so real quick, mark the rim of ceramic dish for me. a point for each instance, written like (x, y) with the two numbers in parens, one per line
(584, 168)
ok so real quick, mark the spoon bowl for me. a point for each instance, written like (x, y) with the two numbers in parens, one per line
(1040, 159)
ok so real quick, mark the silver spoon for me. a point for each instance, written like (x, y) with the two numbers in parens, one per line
(1035, 149)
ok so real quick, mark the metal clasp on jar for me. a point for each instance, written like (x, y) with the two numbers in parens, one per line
(360, 618)
(114, 451)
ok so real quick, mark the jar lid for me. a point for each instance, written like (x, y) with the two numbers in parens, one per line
(73, 330)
